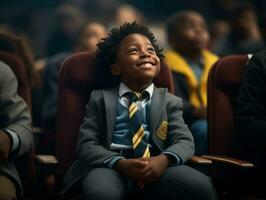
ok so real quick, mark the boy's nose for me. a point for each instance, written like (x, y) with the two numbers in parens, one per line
(144, 54)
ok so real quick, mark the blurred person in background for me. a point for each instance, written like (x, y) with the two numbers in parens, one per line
(91, 33)
(190, 62)
(69, 20)
(245, 36)
(127, 13)
(219, 31)
(17, 43)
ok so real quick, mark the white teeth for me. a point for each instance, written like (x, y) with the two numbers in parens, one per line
(146, 65)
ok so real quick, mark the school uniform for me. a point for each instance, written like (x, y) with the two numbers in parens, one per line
(100, 146)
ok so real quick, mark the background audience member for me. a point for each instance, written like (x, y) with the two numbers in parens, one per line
(15, 134)
(89, 36)
(190, 63)
(127, 13)
(245, 36)
(68, 21)
(219, 31)
(18, 44)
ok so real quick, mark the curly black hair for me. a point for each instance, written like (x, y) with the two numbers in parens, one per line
(107, 50)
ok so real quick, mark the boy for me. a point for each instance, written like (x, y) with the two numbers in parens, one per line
(126, 145)
(190, 63)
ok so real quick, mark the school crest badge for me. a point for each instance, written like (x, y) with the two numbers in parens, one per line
(162, 130)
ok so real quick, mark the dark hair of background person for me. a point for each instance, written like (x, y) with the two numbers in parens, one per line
(18, 44)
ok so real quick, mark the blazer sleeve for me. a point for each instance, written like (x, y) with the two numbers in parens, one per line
(92, 148)
(14, 112)
(180, 139)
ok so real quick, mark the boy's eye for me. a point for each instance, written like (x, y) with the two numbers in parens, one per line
(151, 49)
(132, 50)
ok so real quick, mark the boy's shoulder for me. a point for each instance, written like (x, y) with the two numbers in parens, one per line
(100, 92)
(168, 96)
(104, 90)
(163, 92)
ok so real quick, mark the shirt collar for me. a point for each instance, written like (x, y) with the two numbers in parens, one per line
(124, 89)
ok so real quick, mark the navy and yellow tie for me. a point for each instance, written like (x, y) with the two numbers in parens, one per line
(139, 143)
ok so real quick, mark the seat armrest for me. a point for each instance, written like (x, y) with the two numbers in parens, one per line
(37, 136)
(200, 160)
(45, 173)
(229, 161)
(37, 130)
(46, 159)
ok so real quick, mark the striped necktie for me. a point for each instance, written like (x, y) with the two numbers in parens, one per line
(139, 143)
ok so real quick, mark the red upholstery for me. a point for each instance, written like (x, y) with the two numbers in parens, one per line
(25, 164)
(223, 85)
(76, 81)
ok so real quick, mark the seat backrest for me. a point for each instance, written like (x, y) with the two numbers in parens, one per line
(25, 164)
(76, 81)
(223, 85)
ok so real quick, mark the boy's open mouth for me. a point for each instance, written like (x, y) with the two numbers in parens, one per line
(146, 64)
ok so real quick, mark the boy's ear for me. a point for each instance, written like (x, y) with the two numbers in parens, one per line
(115, 70)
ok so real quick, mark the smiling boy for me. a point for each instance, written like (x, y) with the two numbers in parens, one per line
(133, 136)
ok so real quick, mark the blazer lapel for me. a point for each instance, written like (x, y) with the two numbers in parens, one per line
(110, 103)
(156, 108)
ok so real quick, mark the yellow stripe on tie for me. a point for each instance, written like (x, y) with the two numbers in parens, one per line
(147, 153)
(133, 112)
(138, 140)
(131, 107)
(137, 134)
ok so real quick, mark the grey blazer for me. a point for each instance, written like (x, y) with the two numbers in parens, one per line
(169, 132)
(15, 116)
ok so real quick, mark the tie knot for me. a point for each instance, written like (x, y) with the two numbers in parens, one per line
(135, 96)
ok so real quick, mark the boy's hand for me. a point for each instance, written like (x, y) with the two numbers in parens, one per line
(155, 167)
(132, 168)
(4, 145)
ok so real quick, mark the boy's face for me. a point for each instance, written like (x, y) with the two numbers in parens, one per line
(192, 32)
(137, 62)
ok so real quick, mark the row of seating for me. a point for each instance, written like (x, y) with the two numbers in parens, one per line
(77, 80)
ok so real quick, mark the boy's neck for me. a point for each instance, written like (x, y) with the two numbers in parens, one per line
(137, 87)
